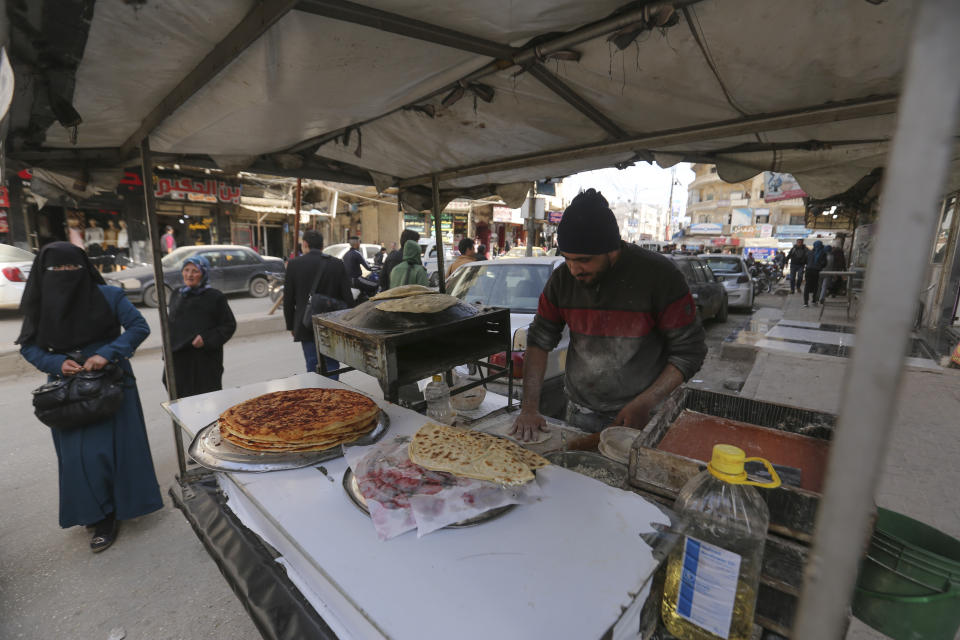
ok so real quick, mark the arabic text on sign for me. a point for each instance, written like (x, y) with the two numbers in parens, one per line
(208, 190)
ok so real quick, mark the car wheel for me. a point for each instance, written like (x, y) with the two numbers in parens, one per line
(259, 287)
(722, 314)
(150, 297)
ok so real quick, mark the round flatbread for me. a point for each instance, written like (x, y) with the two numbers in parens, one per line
(503, 430)
(299, 420)
(427, 303)
(404, 291)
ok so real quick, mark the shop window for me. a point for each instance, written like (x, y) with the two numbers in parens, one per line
(709, 196)
(763, 219)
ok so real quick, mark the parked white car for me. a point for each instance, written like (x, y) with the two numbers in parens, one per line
(733, 273)
(15, 266)
(516, 284)
(339, 250)
(428, 255)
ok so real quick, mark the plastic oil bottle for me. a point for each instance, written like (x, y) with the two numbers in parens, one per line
(711, 585)
(437, 395)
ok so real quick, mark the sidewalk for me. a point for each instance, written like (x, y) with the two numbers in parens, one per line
(802, 361)
(11, 364)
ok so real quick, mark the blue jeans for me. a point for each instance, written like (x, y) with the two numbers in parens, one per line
(310, 356)
(796, 277)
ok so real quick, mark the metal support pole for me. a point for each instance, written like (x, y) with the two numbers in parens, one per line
(531, 223)
(146, 163)
(296, 221)
(916, 172)
(438, 236)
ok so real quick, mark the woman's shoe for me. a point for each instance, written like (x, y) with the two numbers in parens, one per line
(104, 534)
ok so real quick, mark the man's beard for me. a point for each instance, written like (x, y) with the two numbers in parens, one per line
(590, 279)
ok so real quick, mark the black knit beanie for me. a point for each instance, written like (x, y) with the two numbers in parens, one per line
(588, 226)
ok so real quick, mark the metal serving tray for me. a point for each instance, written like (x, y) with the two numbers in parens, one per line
(353, 492)
(210, 451)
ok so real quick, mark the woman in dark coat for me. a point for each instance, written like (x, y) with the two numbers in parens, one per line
(816, 261)
(105, 469)
(201, 322)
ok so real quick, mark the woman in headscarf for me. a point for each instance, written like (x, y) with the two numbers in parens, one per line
(410, 270)
(201, 322)
(816, 261)
(71, 322)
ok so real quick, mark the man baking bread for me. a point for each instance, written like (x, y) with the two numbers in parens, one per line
(634, 331)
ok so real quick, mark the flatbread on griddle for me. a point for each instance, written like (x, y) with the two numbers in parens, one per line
(426, 303)
(403, 291)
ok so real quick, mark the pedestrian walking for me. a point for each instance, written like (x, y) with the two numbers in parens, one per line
(797, 257)
(411, 270)
(395, 257)
(167, 242)
(200, 322)
(72, 322)
(816, 261)
(301, 281)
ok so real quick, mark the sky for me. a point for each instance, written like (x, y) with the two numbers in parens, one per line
(642, 182)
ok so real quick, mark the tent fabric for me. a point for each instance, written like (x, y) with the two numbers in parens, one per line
(309, 76)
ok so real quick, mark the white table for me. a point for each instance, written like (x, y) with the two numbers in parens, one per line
(570, 566)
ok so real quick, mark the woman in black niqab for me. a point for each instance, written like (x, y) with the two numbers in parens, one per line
(63, 309)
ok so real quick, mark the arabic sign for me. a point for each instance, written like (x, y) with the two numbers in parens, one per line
(207, 190)
(752, 230)
(553, 217)
(505, 214)
(760, 253)
(780, 186)
(706, 228)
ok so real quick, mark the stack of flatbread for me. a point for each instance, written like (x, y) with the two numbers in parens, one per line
(299, 420)
(403, 291)
(473, 454)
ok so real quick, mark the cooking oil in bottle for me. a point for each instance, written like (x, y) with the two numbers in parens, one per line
(712, 576)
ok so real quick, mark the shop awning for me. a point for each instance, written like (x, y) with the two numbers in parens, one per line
(483, 94)
(285, 210)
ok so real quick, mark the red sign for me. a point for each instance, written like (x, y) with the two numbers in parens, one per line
(4, 198)
(207, 190)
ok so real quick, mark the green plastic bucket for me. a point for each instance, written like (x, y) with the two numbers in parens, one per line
(909, 583)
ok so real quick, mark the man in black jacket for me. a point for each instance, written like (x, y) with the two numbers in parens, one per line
(395, 257)
(798, 262)
(300, 277)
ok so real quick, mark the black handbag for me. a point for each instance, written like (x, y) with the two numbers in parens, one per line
(319, 303)
(84, 398)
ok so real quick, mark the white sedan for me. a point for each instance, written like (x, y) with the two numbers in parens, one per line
(516, 284)
(15, 266)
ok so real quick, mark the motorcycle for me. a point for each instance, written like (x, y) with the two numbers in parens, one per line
(275, 286)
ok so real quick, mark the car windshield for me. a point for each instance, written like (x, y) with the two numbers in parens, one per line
(10, 253)
(175, 259)
(515, 286)
(724, 265)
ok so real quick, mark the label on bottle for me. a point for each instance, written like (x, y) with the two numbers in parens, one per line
(708, 586)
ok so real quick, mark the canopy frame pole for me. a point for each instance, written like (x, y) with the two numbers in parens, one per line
(439, 238)
(916, 173)
(146, 163)
(296, 220)
(807, 116)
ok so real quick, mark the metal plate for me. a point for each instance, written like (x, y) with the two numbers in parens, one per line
(209, 451)
(353, 492)
(585, 462)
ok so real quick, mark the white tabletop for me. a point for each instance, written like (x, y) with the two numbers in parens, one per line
(565, 567)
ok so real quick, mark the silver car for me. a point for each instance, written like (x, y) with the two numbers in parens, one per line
(732, 271)
(516, 284)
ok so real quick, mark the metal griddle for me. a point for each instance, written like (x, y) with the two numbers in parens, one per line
(402, 348)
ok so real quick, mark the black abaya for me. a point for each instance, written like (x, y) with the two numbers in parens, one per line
(207, 314)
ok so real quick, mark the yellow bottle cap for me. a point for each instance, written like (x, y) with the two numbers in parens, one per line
(437, 377)
(727, 464)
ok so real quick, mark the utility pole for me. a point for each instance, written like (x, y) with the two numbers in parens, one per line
(673, 181)
(531, 222)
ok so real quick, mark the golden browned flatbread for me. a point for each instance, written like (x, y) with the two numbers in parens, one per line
(427, 303)
(403, 291)
(473, 454)
(299, 420)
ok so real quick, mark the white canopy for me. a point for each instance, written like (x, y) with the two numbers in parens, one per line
(358, 91)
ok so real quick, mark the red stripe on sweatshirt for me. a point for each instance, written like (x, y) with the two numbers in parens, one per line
(608, 323)
(547, 310)
(678, 314)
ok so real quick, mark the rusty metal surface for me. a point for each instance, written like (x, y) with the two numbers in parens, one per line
(405, 355)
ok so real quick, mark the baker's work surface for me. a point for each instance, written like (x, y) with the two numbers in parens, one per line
(566, 566)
